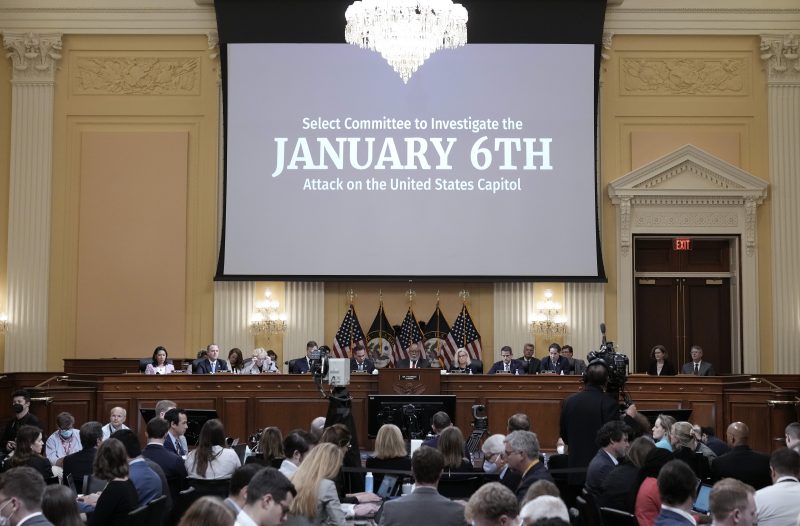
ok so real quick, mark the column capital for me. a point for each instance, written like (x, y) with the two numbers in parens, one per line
(33, 55)
(780, 55)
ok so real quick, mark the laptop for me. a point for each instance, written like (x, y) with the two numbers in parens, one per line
(241, 452)
(388, 487)
(700, 504)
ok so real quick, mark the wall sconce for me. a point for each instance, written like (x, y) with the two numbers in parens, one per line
(266, 319)
(548, 321)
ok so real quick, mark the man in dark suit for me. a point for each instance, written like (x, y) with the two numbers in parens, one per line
(424, 502)
(529, 362)
(303, 365)
(212, 363)
(583, 414)
(172, 464)
(522, 455)
(741, 462)
(359, 362)
(414, 361)
(175, 439)
(26, 486)
(439, 422)
(507, 363)
(613, 441)
(554, 362)
(576, 365)
(697, 366)
(79, 464)
(676, 487)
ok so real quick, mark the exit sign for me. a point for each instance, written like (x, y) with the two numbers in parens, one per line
(681, 243)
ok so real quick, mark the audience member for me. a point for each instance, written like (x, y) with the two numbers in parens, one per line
(507, 363)
(529, 362)
(162, 406)
(21, 491)
(175, 440)
(648, 501)
(518, 422)
(79, 464)
(439, 422)
(340, 435)
(64, 441)
(295, 446)
(522, 455)
(451, 444)
(58, 506)
(697, 366)
(359, 362)
(260, 363)
(424, 506)
(547, 521)
(676, 487)
(719, 447)
(741, 462)
(661, 431)
(317, 428)
(116, 422)
(270, 495)
(237, 491)
(779, 503)
(686, 447)
(731, 503)
(492, 505)
(235, 360)
(119, 496)
(270, 449)
(621, 485)
(576, 365)
(612, 439)
(414, 361)
(317, 499)
(212, 363)
(211, 459)
(21, 405)
(659, 362)
(494, 461)
(390, 452)
(208, 511)
(171, 464)
(149, 485)
(540, 488)
(544, 507)
(28, 452)
(554, 363)
(793, 436)
(159, 363)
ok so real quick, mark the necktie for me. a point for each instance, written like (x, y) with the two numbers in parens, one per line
(213, 367)
(361, 367)
(507, 368)
(179, 447)
(414, 364)
(697, 368)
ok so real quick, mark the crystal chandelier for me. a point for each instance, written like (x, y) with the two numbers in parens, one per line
(548, 321)
(406, 32)
(267, 319)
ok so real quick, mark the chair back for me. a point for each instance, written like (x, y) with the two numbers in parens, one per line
(157, 511)
(459, 488)
(92, 484)
(138, 517)
(618, 517)
(217, 487)
(588, 512)
(51, 481)
(184, 500)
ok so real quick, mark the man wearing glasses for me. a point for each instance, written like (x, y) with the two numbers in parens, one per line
(522, 455)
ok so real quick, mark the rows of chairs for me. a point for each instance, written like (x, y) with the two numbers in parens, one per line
(590, 514)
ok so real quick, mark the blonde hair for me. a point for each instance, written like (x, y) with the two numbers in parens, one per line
(458, 354)
(389, 442)
(323, 462)
(682, 434)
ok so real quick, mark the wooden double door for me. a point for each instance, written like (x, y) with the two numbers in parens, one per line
(678, 306)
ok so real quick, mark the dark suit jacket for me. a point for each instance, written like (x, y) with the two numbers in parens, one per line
(170, 446)
(515, 366)
(510, 478)
(530, 366)
(706, 369)
(600, 466)
(537, 472)
(474, 367)
(577, 366)
(369, 366)
(10, 432)
(667, 370)
(204, 366)
(298, 366)
(422, 363)
(744, 464)
(79, 464)
(562, 364)
(172, 465)
(670, 518)
(423, 507)
(39, 520)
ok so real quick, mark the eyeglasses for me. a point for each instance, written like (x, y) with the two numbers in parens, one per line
(507, 454)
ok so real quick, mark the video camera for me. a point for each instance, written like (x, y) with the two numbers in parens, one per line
(615, 363)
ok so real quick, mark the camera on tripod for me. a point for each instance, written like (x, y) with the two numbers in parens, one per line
(615, 363)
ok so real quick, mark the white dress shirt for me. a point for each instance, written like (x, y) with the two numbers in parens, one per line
(222, 465)
(779, 504)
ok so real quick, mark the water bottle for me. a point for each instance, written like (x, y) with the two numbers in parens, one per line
(368, 482)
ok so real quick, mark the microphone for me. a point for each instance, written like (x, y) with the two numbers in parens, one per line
(603, 333)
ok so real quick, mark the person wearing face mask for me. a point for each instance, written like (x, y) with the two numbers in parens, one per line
(494, 462)
(21, 491)
(21, 404)
(63, 442)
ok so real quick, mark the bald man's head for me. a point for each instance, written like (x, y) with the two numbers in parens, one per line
(738, 434)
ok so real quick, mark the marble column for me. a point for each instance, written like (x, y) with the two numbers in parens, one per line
(780, 56)
(34, 57)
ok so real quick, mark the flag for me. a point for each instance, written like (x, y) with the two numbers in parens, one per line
(464, 334)
(381, 340)
(409, 333)
(436, 331)
(348, 335)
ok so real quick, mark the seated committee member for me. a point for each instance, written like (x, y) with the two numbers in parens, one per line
(159, 364)
(261, 363)
(507, 363)
(464, 364)
(359, 362)
(555, 363)
(659, 362)
(697, 366)
(529, 362)
(303, 365)
(212, 363)
(236, 361)
(576, 365)
(414, 361)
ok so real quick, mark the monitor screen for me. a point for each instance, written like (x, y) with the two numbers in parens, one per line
(411, 413)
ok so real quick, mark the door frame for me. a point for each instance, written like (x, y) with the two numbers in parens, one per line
(690, 192)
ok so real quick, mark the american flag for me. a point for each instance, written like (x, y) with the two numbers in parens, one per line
(464, 334)
(436, 331)
(348, 335)
(409, 333)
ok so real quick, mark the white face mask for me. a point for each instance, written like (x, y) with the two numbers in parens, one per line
(560, 450)
(490, 467)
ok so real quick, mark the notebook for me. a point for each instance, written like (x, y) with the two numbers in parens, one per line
(700, 504)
